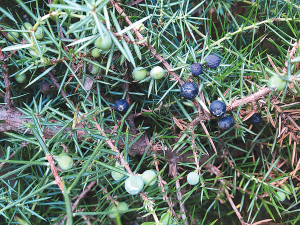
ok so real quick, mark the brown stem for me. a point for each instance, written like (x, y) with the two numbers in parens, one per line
(161, 183)
(4, 34)
(181, 205)
(53, 169)
(252, 98)
(6, 79)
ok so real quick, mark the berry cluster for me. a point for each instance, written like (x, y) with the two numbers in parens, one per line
(121, 207)
(190, 90)
(218, 108)
(135, 183)
(212, 62)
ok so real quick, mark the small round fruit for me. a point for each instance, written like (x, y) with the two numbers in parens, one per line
(139, 73)
(39, 33)
(94, 69)
(255, 118)
(157, 73)
(26, 26)
(20, 78)
(189, 90)
(148, 177)
(16, 34)
(45, 87)
(121, 106)
(287, 188)
(165, 218)
(228, 5)
(134, 184)
(217, 108)
(65, 162)
(122, 206)
(213, 61)
(193, 178)
(196, 69)
(226, 122)
(275, 83)
(113, 208)
(280, 196)
(104, 42)
(117, 175)
(96, 52)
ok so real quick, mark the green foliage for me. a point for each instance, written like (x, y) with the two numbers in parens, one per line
(55, 43)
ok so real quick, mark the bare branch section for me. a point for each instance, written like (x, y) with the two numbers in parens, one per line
(54, 171)
(6, 80)
(252, 98)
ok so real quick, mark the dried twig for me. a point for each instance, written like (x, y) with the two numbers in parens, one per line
(252, 98)
(53, 169)
(161, 184)
(6, 79)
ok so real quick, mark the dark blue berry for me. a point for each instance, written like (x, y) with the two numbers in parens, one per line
(121, 106)
(226, 122)
(217, 108)
(213, 61)
(189, 90)
(255, 118)
(196, 69)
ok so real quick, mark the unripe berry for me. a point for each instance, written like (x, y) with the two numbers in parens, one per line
(117, 175)
(20, 78)
(26, 26)
(39, 33)
(157, 73)
(122, 206)
(94, 69)
(193, 178)
(139, 73)
(16, 34)
(114, 209)
(275, 83)
(65, 162)
(287, 188)
(134, 184)
(104, 42)
(281, 196)
(96, 52)
(166, 218)
(148, 177)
